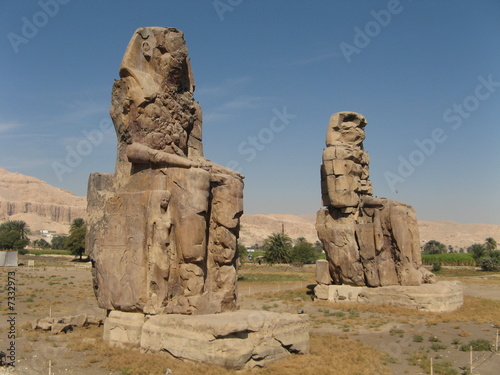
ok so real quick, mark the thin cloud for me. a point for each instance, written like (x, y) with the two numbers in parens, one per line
(243, 102)
(79, 111)
(235, 107)
(28, 136)
(26, 164)
(5, 127)
(215, 117)
(224, 88)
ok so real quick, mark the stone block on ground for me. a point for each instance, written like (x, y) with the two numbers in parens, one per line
(123, 328)
(444, 296)
(236, 340)
(322, 272)
(44, 324)
(79, 320)
(61, 327)
(240, 339)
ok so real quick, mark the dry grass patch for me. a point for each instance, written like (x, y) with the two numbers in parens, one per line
(329, 354)
(474, 309)
(291, 296)
(332, 354)
(481, 281)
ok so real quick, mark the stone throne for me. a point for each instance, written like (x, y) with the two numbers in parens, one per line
(368, 241)
(163, 229)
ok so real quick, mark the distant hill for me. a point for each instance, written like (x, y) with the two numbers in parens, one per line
(40, 205)
(43, 206)
(255, 228)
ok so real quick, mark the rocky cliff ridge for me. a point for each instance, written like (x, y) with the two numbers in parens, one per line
(42, 206)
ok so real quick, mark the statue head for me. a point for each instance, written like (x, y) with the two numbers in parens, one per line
(153, 100)
(165, 200)
(347, 128)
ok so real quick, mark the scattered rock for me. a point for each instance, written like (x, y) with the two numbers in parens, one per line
(61, 327)
(65, 324)
(45, 324)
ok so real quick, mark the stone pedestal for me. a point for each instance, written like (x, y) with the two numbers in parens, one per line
(235, 340)
(443, 296)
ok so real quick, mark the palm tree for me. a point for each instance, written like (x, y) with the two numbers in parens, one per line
(300, 240)
(20, 227)
(75, 242)
(77, 223)
(14, 235)
(477, 251)
(490, 245)
(277, 248)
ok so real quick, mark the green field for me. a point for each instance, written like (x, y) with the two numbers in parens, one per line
(47, 252)
(449, 259)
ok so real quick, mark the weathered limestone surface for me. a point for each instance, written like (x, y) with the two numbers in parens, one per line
(239, 339)
(443, 296)
(123, 328)
(163, 228)
(368, 241)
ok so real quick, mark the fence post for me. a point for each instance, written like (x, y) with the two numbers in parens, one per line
(470, 360)
(496, 342)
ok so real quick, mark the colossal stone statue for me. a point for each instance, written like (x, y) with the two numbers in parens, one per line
(163, 229)
(368, 241)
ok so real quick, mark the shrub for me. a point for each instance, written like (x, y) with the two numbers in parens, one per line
(397, 332)
(418, 338)
(437, 346)
(436, 266)
(303, 252)
(479, 345)
(490, 264)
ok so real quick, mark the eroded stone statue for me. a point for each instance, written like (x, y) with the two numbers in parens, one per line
(368, 241)
(163, 228)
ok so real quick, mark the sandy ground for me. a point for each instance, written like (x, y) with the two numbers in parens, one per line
(60, 287)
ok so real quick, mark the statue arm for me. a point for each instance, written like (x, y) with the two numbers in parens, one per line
(369, 201)
(214, 168)
(141, 154)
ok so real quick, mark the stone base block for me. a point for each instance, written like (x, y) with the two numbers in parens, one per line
(123, 328)
(236, 340)
(443, 296)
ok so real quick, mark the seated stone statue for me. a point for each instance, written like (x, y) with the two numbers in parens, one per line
(163, 228)
(368, 241)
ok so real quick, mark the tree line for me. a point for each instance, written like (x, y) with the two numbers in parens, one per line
(14, 236)
(485, 254)
(279, 248)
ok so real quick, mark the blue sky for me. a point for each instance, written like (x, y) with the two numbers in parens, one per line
(426, 75)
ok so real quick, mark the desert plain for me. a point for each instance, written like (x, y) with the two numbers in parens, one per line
(345, 338)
